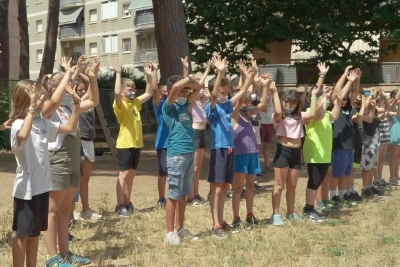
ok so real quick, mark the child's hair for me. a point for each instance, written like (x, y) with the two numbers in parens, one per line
(21, 100)
(292, 96)
(234, 82)
(393, 94)
(127, 83)
(77, 81)
(172, 80)
(211, 84)
(225, 81)
(236, 91)
(161, 86)
(50, 81)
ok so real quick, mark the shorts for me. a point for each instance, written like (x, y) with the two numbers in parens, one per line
(342, 162)
(66, 164)
(287, 157)
(128, 158)
(180, 175)
(369, 159)
(247, 163)
(316, 174)
(199, 138)
(88, 150)
(256, 130)
(162, 162)
(267, 132)
(30, 216)
(222, 165)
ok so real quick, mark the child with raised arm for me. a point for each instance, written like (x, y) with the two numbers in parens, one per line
(30, 135)
(222, 160)
(247, 164)
(127, 109)
(180, 152)
(288, 121)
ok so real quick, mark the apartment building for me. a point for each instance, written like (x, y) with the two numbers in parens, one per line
(13, 33)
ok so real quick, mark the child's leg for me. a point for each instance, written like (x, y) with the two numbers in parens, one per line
(280, 180)
(198, 161)
(323, 190)
(316, 175)
(237, 188)
(170, 208)
(122, 186)
(129, 186)
(63, 220)
(216, 198)
(19, 246)
(32, 247)
(84, 184)
(250, 192)
(180, 213)
(291, 182)
(393, 161)
(162, 172)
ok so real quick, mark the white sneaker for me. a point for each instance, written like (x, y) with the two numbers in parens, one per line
(90, 214)
(185, 234)
(172, 239)
(77, 216)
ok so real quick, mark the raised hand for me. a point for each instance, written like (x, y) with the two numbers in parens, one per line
(265, 78)
(82, 64)
(323, 68)
(185, 62)
(250, 72)
(117, 67)
(193, 78)
(208, 65)
(327, 91)
(66, 64)
(90, 74)
(36, 99)
(96, 67)
(154, 65)
(348, 69)
(72, 91)
(254, 64)
(352, 76)
(372, 104)
(220, 64)
(242, 65)
(273, 87)
(147, 68)
(315, 91)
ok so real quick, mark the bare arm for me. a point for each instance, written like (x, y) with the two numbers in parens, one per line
(313, 107)
(72, 124)
(336, 109)
(266, 84)
(323, 70)
(339, 85)
(358, 118)
(93, 90)
(154, 84)
(277, 105)
(203, 78)
(185, 65)
(149, 89)
(347, 87)
(6, 125)
(117, 85)
(177, 87)
(221, 65)
(249, 80)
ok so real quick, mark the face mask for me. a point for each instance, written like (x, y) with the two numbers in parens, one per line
(288, 110)
(222, 99)
(67, 100)
(244, 108)
(130, 95)
(201, 93)
(181, 101)
(253, 97)
(328, 103)
(80, 93)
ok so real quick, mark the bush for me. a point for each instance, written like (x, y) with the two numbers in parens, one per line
(5, 99)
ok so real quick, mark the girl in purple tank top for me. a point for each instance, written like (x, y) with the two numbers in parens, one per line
(247, 164)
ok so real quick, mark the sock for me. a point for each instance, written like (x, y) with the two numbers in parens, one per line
(307, 208)
(341, 193)
(249, 215)
(236, 218)
(332, 193)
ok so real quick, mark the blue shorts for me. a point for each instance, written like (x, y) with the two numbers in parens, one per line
(180, 175)
(222, 165)
(162, 162)
(342, 162)
(247, 163)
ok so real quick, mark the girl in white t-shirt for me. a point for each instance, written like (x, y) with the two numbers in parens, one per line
(30, 134)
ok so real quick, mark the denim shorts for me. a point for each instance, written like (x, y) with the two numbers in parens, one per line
(247, 163)
(342, 162)
(180, 175)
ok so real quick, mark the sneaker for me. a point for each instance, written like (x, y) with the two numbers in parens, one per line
(77, 216)
(129, 207)
(243, 194)
(57, 261)
(172, 239)
(259, 174)
(377, 191)
(219, 233)
(293, 217)
(340, 201)
(314, 216)
(395, 181)
(381, 182)
(122, 211)
(237, 223)
(226, 227)
(276, 219)
(321, 208)
(90, 214)
(76, 259)
(198, 201)
(356, 197)
(185, 234)
(367, 193)
(350, 202)
(162, 202)
(229, 194)
(252, 220)
(333, 205)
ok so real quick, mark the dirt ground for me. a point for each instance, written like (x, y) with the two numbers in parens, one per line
(364, 236)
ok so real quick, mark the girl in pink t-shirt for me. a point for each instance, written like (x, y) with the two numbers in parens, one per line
(288, 121)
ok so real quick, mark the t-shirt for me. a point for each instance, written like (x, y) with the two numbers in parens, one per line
(179, 123)
(317, 146)
(162, 129)
(289, 127)
(33, 176)
(371, 128)
(219, 119)
(130, 131)
(266, 117)
(343, 133)
(358, 129)
(62, 116)
(87, 124)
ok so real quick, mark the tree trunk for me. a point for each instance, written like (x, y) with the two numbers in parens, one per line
(50, 45)
(23, 41)
(5, 44)
(171, 37)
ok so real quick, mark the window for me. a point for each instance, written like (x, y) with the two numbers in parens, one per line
(38, 1)
(39, 26)
(93, 15)
(126, 45)
(93, 49)
(153, 43)
(109, 10)
(125, 11)
(39, 55)
(109, 44)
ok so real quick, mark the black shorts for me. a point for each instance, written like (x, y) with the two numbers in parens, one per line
(358, 153)
(287, 157)
(316, 174)
(199, 138)
(162, 162)
(128, 158)
(30, 216)
(222, 165)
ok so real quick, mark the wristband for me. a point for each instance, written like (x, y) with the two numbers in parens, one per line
(190, 78)
(313, 98)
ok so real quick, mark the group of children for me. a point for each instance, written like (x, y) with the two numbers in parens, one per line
(48, 147)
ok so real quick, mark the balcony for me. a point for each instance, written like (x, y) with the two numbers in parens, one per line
(144, 21)
(145, 55)
(65, 4)
(70, 33)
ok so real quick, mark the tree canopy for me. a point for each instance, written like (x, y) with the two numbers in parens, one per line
(328, 28)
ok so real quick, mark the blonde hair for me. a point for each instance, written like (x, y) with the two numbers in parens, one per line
(51, 81)
(125, 83)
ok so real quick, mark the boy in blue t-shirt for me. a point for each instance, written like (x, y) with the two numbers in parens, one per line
(180, 151)
(222, 160)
